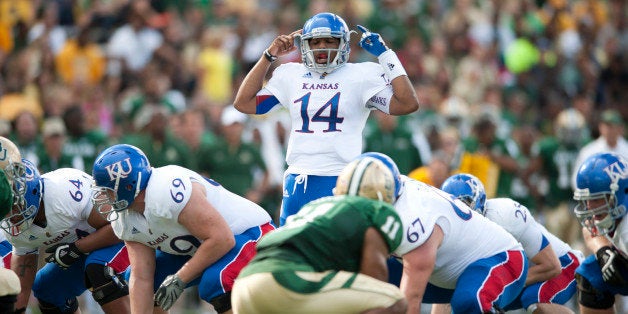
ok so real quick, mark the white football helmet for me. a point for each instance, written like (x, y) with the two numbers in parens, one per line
(367, 177)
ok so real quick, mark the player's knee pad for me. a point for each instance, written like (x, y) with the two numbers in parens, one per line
(592, 298)
(104, 283)
(222, 303)
(48, 308)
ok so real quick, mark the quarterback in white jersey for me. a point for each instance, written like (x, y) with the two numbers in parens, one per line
(329, 101)
(84, 253)
(550, 282)
(602, 195)
(452, 254)
(180, 229)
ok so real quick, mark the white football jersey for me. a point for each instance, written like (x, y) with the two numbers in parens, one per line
(67, 202)
(468, 236)
(168, 191)
(518, 220)
(328, 112)
(620, 237)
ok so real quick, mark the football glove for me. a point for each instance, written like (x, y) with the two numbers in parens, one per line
(169, 291)
(613, 266)
(372, 42)
(64, 254)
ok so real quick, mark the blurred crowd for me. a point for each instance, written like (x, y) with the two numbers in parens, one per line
(492, 76)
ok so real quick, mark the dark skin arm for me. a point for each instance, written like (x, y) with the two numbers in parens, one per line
(404, 99)
(100, 238)
(374, 255)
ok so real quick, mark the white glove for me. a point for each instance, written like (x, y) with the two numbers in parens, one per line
(169, 291)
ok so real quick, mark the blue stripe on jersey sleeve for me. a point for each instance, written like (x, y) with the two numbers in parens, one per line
(265, 103)
(544, 243)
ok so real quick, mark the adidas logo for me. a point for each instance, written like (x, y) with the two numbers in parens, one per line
(307, 75)
(32, 238)
(134, 231)
(390, 66)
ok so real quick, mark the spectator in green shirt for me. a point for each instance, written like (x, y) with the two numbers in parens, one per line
(51, 157)
(234, 163)
(156, 140)
(390, 137)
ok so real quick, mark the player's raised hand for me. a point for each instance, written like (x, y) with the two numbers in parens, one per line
(284, 44)
(372, 42)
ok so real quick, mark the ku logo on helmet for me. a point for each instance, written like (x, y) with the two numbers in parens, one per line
(617, 170)
(117, 169)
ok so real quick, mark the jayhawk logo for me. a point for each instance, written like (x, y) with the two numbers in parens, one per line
(119, 170)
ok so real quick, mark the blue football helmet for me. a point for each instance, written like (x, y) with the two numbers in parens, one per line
(391, 165)
(467, 188)
(602, 178)
(324, 25)
(120, 172)
(23, 213)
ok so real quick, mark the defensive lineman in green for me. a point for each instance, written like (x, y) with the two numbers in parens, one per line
(331, 256)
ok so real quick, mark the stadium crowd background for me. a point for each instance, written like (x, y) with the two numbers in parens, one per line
(77, 76)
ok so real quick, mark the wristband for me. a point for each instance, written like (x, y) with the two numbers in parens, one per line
(391, 64)
(269, 57)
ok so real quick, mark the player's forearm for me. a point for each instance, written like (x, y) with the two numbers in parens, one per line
(539, 273)
(25, 267)
(252, 83)
(404, 99)
(545, 266)
(141, 295)
(413, 289)
(594, 243)
(208, 253)
(100, 238)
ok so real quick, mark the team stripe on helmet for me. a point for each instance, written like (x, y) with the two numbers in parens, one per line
(357, 176)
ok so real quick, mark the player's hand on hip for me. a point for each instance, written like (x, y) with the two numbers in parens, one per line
(372, 42)
(284, 44)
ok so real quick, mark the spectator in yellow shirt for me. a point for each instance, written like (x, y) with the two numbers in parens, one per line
(80, 61)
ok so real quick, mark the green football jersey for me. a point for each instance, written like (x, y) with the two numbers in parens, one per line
(326, 234)
(558, 165)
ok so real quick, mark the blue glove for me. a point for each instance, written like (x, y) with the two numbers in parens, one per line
(372, 42)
